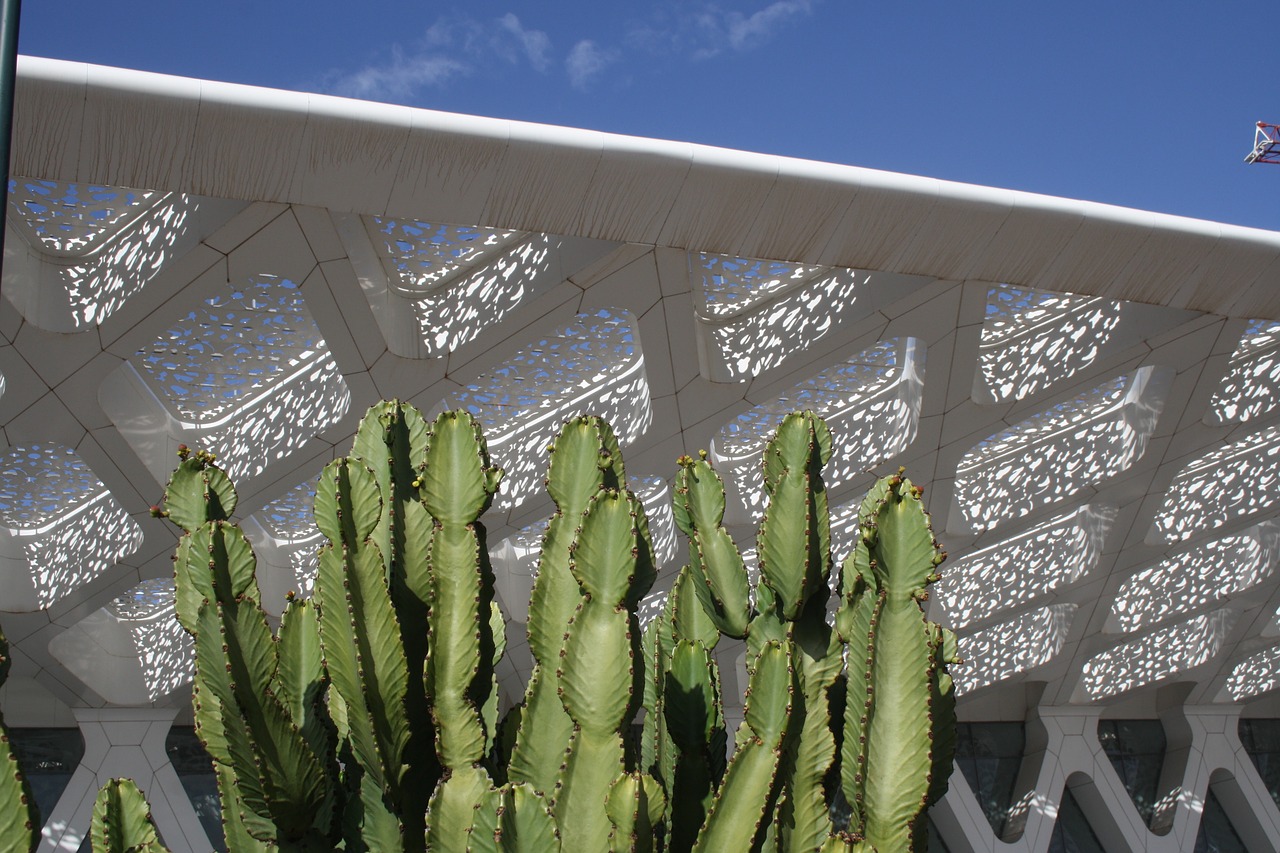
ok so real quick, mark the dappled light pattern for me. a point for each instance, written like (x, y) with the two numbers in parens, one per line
(870, 402)
(732, 285)
(654, 493)
(1005, 650)
(422, 256)
(753, 315)
(59, 526)
(1252, 386)
(1022, 569)
(593, 365)
(459, 280)
(74, 220)
(650, 608)
(1158, 655)
(249, 374)
(1056, 453)
(289, 522)
(165, 651)
(105, 242)
(1232, 482)
(1257, 674)
(1032, 339)
(1192, 579)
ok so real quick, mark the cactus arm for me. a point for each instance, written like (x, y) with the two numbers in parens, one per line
(293, 783)
(457, 481)
(818, 656)
(742, 811)
(456, 656)
(943, 710)
(584, 458)
(19, 820)
(198, 492)
(359, 634)
(453, 806)
(635, 805)
(214, 562)
(696, 725)
(856, 621)
(699, 504)
(845, 843)
(122, 820)
(302, 679)
(482, 837)
(525, 824)
(594, 762)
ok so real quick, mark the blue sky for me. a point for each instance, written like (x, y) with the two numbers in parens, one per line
(1143, 104)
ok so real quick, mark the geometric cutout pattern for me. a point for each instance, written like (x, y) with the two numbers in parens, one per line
(1203, 575)
(59, 526)
(871, 404)
(1057, 452)
(1233, 482)
(1252, 386)
(1158, 655)
(247, 374)
(1009, 648)
(592, 364)
(1024, 568)
(1032, 339)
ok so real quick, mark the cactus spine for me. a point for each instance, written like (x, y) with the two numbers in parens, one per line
(369, 722)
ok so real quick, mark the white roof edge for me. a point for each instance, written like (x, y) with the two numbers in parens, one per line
(486, 171)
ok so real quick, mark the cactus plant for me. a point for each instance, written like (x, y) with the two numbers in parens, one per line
(19, 822)
(370, 720)
(122, 821)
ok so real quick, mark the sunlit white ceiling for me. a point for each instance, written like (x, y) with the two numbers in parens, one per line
(1089, 396)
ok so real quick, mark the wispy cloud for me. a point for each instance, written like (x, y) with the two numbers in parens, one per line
(399, 78)
(701, 31)
(450, 48)
(585, 61)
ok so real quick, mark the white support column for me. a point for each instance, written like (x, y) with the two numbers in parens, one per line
(125, 742)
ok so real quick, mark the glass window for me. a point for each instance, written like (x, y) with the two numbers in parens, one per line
(1072, 832)
(989, 755)
(1261, 740)
(1136, 749)
(48, 758)
(195, 771)
(1216, 834)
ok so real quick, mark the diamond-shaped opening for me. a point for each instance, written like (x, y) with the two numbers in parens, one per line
(593, 364)
(1072, 831)
(1194, 578)
(245, 374)
(1157, 656)
(989, 755)
(1022, 569)
(871, 404)
(1230, 483)
(1076, 444)
(1252, 386)
(1261, 741)
(59, 526)
(1013, 647)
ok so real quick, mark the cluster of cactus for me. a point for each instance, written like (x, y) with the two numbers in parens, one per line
(370, 720)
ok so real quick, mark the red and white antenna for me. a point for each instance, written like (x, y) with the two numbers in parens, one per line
(1266, 144)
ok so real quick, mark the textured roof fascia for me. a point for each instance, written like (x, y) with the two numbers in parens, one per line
(82, 122)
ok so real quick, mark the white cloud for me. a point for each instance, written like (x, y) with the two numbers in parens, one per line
(585, 61)
(451, 47)
(400, 78)
(747, 32)
(536, 44)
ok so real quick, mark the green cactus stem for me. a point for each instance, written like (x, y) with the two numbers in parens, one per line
(19, 820)
(122, 821)
(698, 507)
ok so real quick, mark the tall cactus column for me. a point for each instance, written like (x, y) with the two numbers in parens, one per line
(896, 760)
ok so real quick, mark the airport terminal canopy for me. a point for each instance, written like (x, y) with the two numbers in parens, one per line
(1089, 395)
